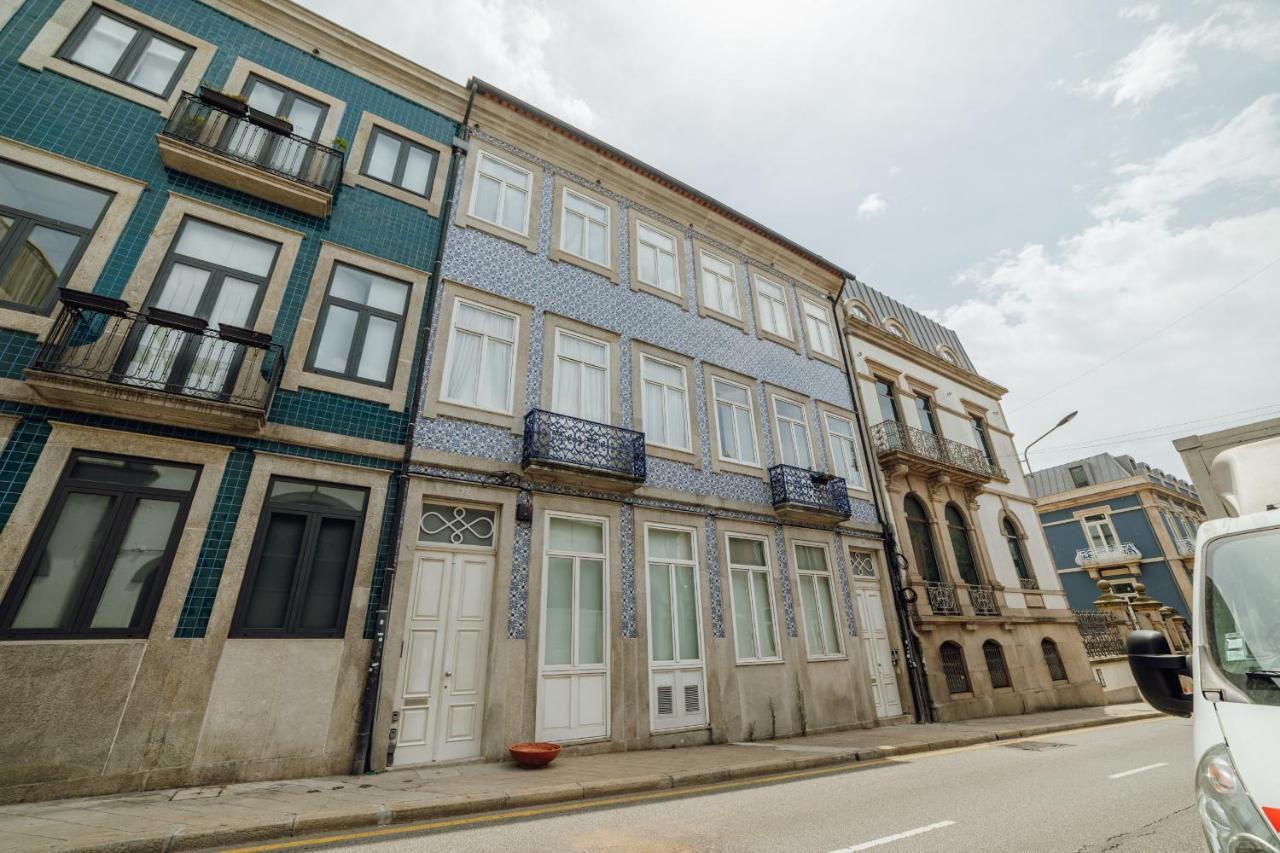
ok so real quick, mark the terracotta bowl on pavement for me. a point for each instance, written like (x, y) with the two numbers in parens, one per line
(533, 755)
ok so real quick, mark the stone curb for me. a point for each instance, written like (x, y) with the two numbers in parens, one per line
(370, 816)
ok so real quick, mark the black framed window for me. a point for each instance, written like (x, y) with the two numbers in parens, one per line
(954, 668)
(982, 437)
(360, 325)
(395, 160)
(45, 224)
(997, 669)
(127, 52)
(270, 150)
(97, 563)
(924, 410)
(962, 545)
(887, 399)
(1079, 478)
(1053, 660)
(303, 562)
(1016, 551)
(920, 530)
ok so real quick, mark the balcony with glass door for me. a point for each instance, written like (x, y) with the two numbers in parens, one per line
(930, 455)
(1102, 555)
(227, 141)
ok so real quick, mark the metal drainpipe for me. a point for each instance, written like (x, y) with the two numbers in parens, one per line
(916, 675)
(363, 758)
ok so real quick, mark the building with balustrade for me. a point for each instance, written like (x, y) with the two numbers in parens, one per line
(991, 620)
(1113, 518)
(218, 222)
(641, 514)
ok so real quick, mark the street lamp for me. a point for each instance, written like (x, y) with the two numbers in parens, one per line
(1066, 419)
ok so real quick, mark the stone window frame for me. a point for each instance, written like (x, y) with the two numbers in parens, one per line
(562, 185)
(463, 217)
(639, 349)
(64, 438)
(635, 218)
(699, 249)
(891, 323)
(267, 465)
(296, 374)
(810, 350)
(42, 53)
(180, 207)
(861, 454)
(793, 537)
(775, 392)
(354, 176)
(102, 241)
(711, 372)
(730, 528)
(788, 294)
(558, 322)
(243, 69)
(451, 292)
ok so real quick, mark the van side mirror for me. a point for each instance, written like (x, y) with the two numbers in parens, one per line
(1156, 671)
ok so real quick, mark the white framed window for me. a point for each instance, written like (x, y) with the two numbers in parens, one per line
(858, 311)
(775, 317)
(735, 426)
(896, 329)
(817, 324)
(755, 631)
(817, 601)
(584, 228)
(501, 194)
(657, 264)
(719, 285)
(480, 361)
(665, 401)
(793, 433)
(675, 635)
(1099, 531)
(581, 377)
(843, 442)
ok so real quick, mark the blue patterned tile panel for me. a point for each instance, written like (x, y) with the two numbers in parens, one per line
(784, 580)
(845, 591)
(518, 596)
(713, 578)
(627, 571)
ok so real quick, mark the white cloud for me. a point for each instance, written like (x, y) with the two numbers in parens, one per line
(871, 206)
(1165, 57)
(1141, 12)
(894, 171)
(1045, 314)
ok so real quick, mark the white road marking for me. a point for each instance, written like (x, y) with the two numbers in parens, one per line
(1138, 770)
(898, 836)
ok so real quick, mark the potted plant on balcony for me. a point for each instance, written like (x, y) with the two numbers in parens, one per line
(213, 96)
(276, 124)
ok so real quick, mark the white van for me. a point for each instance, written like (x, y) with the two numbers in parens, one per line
(1234, 666)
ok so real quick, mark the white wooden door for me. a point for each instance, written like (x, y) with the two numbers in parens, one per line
(442, 670)
(678, 697)
(875, 642)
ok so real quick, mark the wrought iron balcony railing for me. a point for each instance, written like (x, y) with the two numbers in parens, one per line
(1108, 555)
(100, 339)
(562, 441)
(245, 139)
(894, 437)
(1186, 547)
(1028, 583)
(983, 600)
(942, 597)
(805, 490)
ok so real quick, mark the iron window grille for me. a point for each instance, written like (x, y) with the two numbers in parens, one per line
(293, 576)
(131, 57)
(954, 668)
(119, 485)
(405, 149)
(997, 668)
(1053, 660)
(22, 255)
(365, 314)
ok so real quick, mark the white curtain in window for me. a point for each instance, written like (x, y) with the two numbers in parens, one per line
(666, 418)
(793, 434)
(844, 454)
(733, 423)
(157, 65)
(773, 308)
(104, 44)
(479, 362)
(581, 378)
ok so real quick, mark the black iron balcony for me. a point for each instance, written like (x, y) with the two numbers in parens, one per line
(245, 150)
(560, 445)
(932, 454)
(942, 598)
(801, 493)
(156, 364)
(983, 600)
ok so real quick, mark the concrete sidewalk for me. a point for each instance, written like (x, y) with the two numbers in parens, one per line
(209, 817)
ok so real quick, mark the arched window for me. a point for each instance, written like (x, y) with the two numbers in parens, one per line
(896, 329)
(858, 311)
(961, 545)
(1053, 660)
(948, 355)
(953, 667)
(1019, 554)
(996, 666)
(921, 533)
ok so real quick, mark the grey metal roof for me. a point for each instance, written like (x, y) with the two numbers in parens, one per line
(925, 333)
(1102, 468)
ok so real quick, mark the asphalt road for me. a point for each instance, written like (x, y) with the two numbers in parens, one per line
(1119, 789)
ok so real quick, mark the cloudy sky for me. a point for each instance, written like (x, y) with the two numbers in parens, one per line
(1089, 193)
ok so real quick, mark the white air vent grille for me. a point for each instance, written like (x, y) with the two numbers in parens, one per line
(666, 700)
(692, 699)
